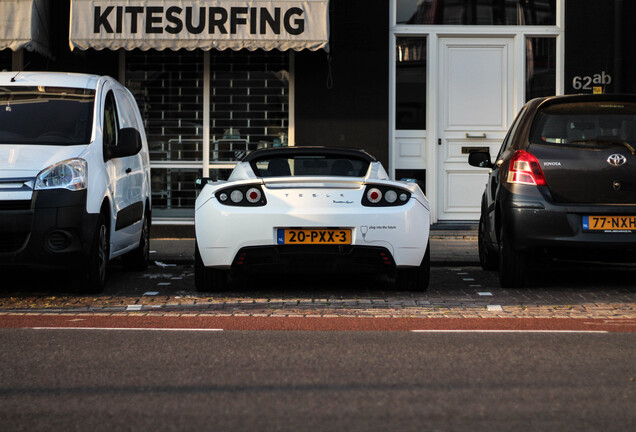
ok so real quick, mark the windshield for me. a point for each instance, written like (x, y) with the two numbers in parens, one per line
(586, 123)
(310, 165)
(46, 115)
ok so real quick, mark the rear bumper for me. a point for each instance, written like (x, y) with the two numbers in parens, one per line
(221, 232)
(55, 231)
(316, 259)
(558, 229)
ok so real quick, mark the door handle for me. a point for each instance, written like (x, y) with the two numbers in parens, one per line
(482, 136)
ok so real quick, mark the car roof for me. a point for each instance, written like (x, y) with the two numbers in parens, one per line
(575, 98)
(281, 152)
(53, 79)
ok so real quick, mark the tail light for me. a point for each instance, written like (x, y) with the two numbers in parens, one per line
(242, 196)
(525, 169)
(384, 196)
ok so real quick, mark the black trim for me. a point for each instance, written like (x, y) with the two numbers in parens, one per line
(56, 231)
(383, 202)
(129, 215)
(244, 202)
(279, 152)
(316, 259)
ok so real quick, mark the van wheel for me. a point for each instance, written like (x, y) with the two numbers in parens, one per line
(416, 278)
(512, 264)
(487, 257)
(138, 259)
(208, 279)
(93, 274)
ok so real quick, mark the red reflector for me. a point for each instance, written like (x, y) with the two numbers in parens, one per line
(525, 169)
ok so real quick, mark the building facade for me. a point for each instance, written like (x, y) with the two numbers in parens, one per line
(418, 83)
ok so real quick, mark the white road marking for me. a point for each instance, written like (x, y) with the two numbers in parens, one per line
(151, 293)
(494, 308)
(508, 331)
(485, 293)
(133, 308)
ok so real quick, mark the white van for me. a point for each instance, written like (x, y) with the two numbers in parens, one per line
(74, 175)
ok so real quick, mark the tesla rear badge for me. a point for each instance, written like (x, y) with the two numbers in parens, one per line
(616, 159)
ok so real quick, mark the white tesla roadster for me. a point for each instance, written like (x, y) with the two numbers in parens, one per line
(311, 209)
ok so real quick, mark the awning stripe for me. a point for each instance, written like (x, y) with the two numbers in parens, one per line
(23, 25)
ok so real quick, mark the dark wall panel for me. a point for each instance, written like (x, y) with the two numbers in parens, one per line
(342, 98)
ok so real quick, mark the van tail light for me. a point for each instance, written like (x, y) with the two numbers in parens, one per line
(525, 169)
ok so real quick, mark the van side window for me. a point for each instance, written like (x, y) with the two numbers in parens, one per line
(111, 126)
(127, 110)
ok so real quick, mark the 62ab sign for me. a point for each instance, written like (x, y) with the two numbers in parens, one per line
(588, 82)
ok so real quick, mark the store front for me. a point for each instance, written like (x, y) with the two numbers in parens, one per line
(460, 71)
(213, 80)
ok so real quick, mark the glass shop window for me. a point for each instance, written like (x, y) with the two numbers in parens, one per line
(540, 67)
(477, 12)
(249, 104)
(410, 83)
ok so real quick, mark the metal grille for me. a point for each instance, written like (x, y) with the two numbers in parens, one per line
(249, 103)
(15, 204)
(169, 91)
(12, 242)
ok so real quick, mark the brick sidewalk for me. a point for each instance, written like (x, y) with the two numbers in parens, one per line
(455, 292)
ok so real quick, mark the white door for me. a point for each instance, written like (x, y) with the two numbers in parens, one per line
(476, 108)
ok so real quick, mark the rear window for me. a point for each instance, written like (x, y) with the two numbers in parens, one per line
(46, 115)
(310, 165)
(586, 123)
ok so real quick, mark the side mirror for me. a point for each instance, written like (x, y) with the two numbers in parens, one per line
(129, 143)
(480, 160)
(200, 182)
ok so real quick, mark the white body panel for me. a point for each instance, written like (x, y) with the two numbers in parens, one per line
(303, 202)
(119, 182)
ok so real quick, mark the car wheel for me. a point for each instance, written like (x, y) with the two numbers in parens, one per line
(512, 263)
(417, 278)
(208, 279)
(138, 259)
(93, 275)
(487, 257)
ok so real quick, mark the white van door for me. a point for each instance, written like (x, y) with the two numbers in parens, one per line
(125, 178)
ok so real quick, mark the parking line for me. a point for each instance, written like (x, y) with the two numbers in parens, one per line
(508, 331)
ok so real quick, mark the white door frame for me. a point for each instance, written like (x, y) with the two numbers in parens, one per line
(428, 156)
(457, 129)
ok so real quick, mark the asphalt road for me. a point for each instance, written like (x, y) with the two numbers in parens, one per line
(64, 380)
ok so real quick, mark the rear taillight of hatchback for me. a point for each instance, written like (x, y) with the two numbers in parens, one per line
(525, 169)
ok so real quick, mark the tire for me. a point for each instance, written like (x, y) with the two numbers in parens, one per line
(512, 263)
(415, 278)
(208, 279)
(488, 258)
(93, 274)
(138, 259)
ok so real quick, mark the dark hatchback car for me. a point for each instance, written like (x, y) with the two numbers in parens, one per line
(563, 186)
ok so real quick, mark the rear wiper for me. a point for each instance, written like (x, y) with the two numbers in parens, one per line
(606, 141)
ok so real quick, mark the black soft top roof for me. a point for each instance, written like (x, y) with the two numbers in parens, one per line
(283, 152)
